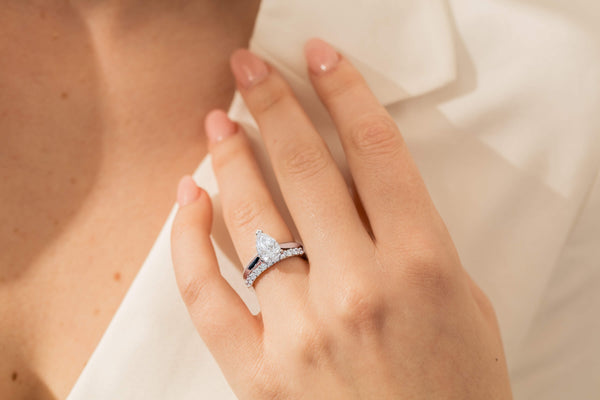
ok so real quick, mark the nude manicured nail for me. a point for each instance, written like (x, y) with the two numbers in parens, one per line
(218, 126)
(247, 68)
(187, 191)
(320, 56)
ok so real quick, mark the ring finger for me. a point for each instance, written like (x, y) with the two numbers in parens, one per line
(311, 184)
(248, 206)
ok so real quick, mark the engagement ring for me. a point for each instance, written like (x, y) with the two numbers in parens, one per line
(269, 253)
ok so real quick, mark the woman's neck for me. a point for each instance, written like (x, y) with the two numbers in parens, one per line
(94, 89)
(125, 64)
(101, 107)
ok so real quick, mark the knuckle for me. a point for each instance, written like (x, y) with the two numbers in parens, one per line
(375, 135)
(343, 85)
(311, 343)
(269, 98)
(301, 162)
(428, 272)
(485, 304)
(193, 291)
(246, 213)
(358, 307)
(223, 154)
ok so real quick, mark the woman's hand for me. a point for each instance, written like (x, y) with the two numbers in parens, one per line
(382, 309)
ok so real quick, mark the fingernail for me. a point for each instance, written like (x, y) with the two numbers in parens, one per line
(187, 191)
(218, 126)
(320, 56)
(247, 68)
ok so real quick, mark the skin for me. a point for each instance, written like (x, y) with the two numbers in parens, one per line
(91, 129)
(395, 318)
(95, 129)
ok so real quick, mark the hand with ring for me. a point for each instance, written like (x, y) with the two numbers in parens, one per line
(380, 306)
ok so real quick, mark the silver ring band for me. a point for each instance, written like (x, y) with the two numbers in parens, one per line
(269, 253)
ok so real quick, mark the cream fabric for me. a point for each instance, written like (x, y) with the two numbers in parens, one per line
(498, 101)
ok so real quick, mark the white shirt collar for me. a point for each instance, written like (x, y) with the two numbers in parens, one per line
(403, 48)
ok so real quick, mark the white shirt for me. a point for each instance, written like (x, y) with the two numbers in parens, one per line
(499, 102)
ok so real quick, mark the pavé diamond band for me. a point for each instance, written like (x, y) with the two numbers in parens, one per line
(269, 253)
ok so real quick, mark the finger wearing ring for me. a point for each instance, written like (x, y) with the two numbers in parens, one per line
(247, 204)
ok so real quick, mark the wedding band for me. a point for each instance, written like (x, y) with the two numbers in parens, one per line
(269, 253)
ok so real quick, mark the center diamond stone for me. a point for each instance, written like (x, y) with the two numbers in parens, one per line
(267, 248)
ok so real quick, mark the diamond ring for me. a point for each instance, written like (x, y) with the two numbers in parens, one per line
(269, 253)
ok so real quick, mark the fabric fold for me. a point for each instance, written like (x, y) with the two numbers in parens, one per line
(403, 48)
